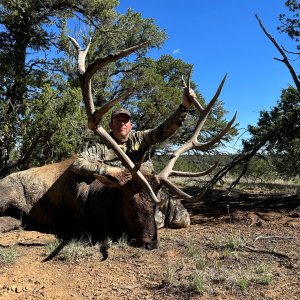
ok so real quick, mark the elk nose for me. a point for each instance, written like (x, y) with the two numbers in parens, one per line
(145, 243)
(154, 244)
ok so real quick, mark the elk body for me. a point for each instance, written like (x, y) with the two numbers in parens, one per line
(52, 196)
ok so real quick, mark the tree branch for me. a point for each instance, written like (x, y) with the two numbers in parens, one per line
(285, 59)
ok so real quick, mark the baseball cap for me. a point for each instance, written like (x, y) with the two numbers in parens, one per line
(119, 111)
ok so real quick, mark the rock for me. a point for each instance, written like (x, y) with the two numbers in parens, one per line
(8, 224)
(213, 255)
(13, 288)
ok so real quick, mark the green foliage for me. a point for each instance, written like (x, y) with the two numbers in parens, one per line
(228, 243)
(159, 92)
(192, 250)
(279, 132)
(290, 22)
(122, 242)
(260, 168)
(264, 275)
(42, 118)
(199, 283)
(53, 120)
(8, 255)
(29, 31)
(243, 282)
(171, 273)
(201, 263)
(190, 163)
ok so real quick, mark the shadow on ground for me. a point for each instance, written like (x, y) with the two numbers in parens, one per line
(217, 204)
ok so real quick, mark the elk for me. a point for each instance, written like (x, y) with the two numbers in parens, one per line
(52, 196)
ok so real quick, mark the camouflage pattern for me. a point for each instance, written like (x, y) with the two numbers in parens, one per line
(99, 156)
(170, 213)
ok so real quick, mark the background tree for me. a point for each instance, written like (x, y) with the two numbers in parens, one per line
(276, 135)
(290, 23)
(42, 119)
(29, 75)
(40, 115)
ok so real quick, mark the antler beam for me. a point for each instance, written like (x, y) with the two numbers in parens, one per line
(193, 143)
(85, 75)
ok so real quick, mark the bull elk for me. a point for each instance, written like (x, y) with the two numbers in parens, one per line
(52, 196)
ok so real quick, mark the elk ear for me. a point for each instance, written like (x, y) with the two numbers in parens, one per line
(109, 181)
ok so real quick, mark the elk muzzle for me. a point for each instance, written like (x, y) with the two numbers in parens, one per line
(146, 242)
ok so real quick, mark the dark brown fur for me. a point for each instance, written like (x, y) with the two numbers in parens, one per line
(53, 197)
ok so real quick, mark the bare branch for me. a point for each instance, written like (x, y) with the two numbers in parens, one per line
(285, 59)
(274, 237)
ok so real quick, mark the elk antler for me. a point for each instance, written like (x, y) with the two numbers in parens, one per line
(85, 76)
(193, 143)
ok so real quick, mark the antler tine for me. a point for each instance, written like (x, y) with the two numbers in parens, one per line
(217, 138)
(215, 97)
(85, 76)
(189, 78)
(187, 87)
(171, 186)
(112, 57)
(183, 83)
(97, 116)
(111, 143)
(85, 82)
(204, 112)
(193, 174)
(193, 143)
(81, 54)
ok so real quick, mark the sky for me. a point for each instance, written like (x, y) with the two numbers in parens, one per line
(223, 36)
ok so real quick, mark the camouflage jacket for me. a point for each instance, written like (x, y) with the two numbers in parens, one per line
(99, 156)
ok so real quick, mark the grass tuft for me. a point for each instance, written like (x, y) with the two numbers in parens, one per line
(244, 282)
(192, 250)
(199, 283)
(74, 250)
(8, 255)
(122, 242)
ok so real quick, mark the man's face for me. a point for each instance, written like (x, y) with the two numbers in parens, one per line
(120, 126)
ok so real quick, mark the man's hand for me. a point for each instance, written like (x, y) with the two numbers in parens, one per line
(187, 98)
(113, 176)
(114, 171)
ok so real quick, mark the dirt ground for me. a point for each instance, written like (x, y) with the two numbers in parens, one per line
(236, 248)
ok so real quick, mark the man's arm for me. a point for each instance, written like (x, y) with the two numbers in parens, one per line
(90, 163)
(171, 124)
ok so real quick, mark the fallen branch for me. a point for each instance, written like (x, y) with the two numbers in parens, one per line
(252, 249)
(274, 237)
